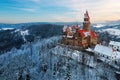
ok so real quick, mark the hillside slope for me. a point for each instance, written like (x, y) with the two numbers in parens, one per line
(46, 60)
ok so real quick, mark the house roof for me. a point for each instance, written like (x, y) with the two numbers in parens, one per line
(84, 33)
(108, 51)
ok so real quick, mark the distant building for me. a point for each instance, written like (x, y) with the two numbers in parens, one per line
(80, 37)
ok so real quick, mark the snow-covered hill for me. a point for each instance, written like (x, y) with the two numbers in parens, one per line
(11, 37)
(15, 60)
(107, 32)
(98, 25)
(15, 37)
(112, 31)
(6, 28)
(62, 63)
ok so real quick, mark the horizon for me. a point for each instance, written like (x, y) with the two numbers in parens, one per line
(106, 22)
(27, 11)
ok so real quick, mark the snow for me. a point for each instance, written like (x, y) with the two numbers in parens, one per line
(64, 28)
(47, 51)
(98, 25)
(118, 55)
(24, 32)
(69, 36)
(87, 33)
(103, 50)
(17, 30)
(114, 43)
(89, 49)
(113, 31)
(75, 55)
(12, 61)
(106, 51)
(6, 28)
(117, 72)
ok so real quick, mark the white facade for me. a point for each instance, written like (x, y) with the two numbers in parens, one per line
(115, 45)
(106, 52)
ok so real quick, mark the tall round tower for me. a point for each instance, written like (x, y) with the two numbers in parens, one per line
(86, 23)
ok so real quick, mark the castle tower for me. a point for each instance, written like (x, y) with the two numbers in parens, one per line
(86, 23)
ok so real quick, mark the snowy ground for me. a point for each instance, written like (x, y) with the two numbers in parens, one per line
(62, 63)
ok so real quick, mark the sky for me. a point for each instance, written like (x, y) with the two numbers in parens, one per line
(22, 11)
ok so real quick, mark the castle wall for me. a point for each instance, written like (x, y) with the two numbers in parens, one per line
(94, 41)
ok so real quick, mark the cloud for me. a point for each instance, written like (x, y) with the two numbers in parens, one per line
(28, 9)
(99, 10)
(69, 10)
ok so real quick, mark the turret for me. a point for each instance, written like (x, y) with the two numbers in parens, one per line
(86, 23)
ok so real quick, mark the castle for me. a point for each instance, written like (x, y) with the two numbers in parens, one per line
(80, 37)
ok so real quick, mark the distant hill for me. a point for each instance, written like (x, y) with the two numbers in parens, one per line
(15, 37)
(3, 25)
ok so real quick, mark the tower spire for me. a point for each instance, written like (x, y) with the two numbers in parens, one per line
(87, 14)
(86, 23)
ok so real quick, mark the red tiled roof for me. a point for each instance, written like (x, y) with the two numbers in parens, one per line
(82, 32)
(92, 33)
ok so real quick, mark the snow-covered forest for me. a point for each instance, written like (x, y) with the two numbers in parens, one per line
(45, 59)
